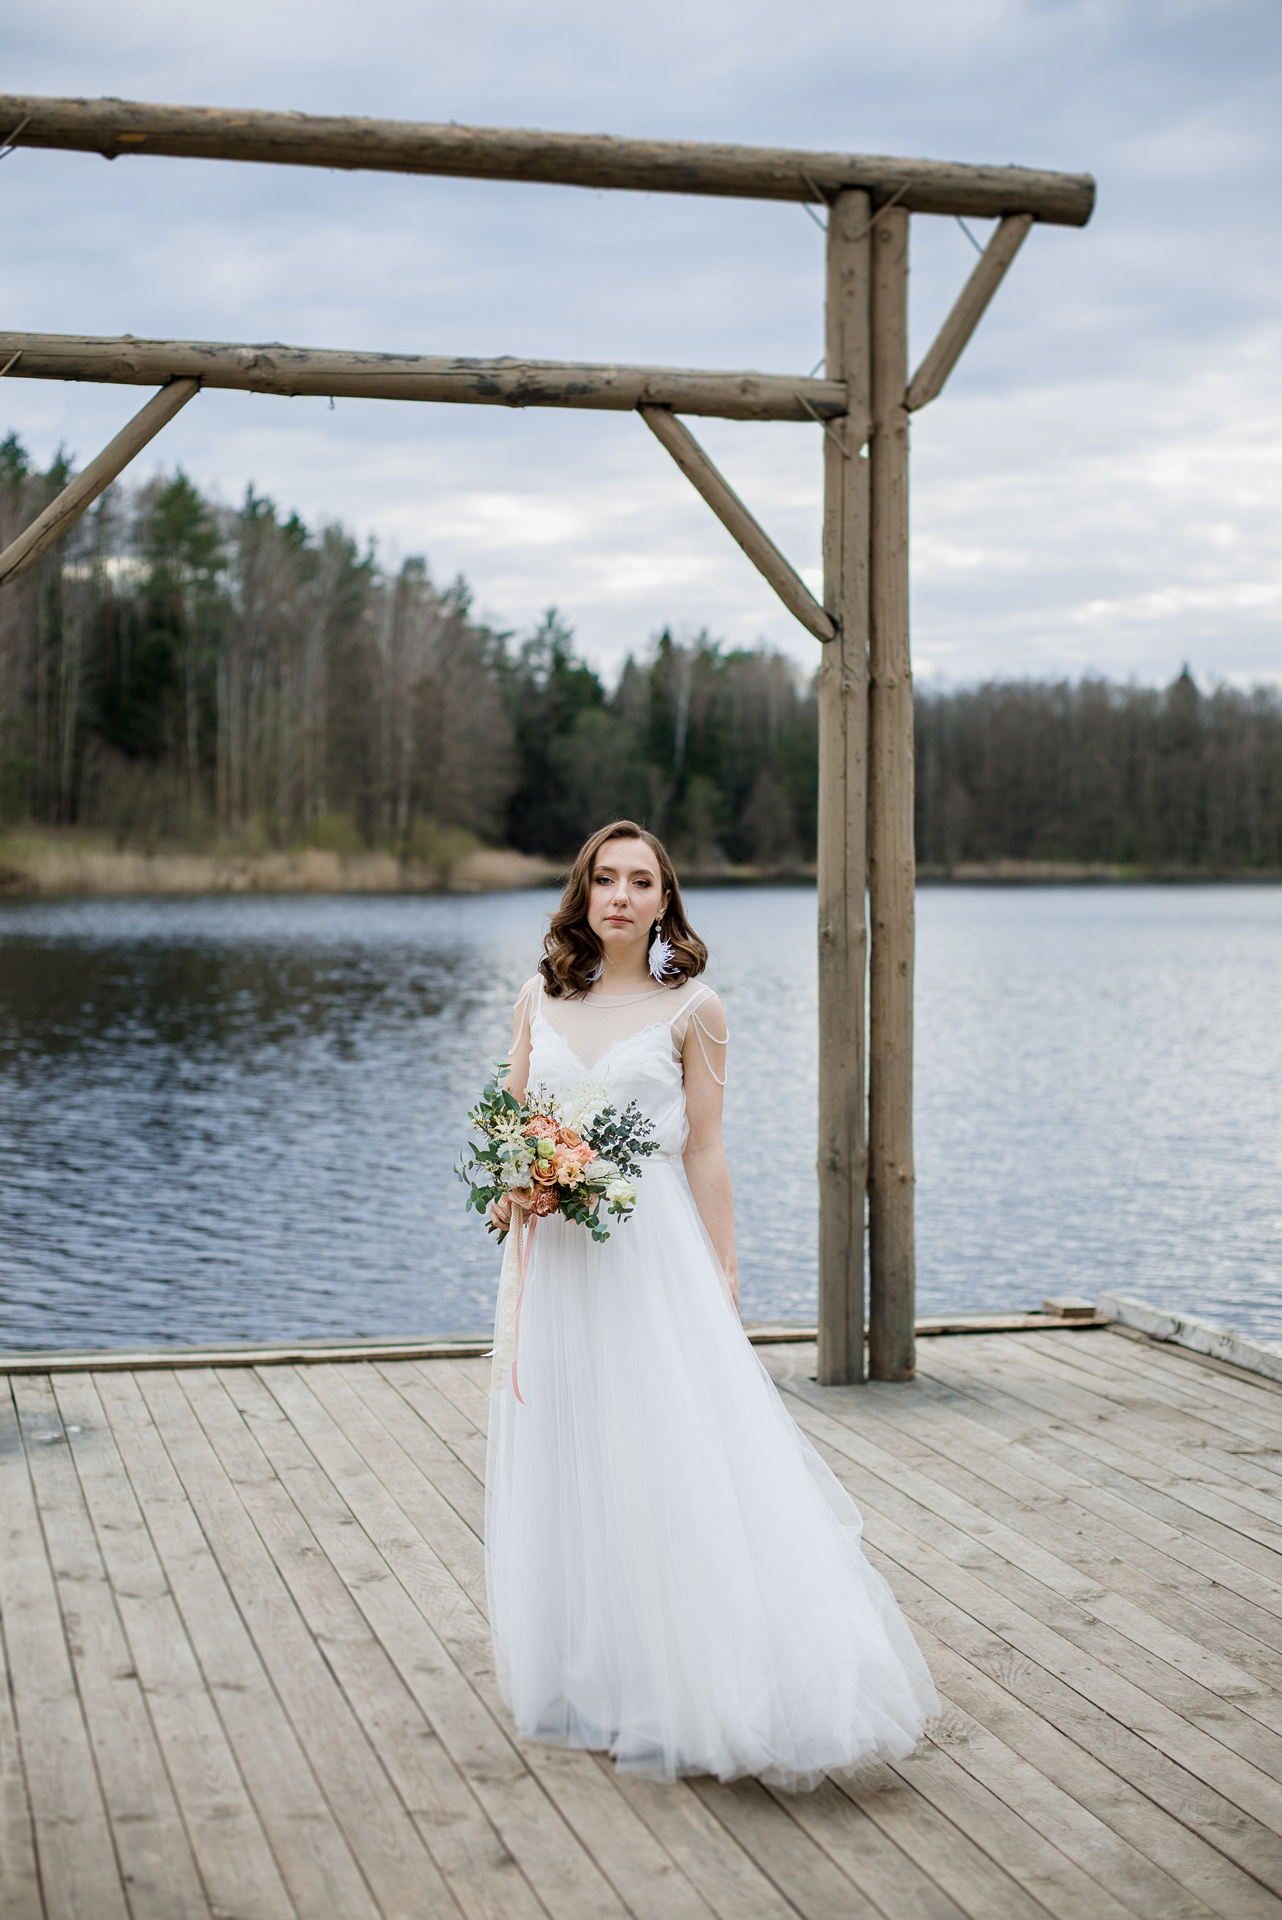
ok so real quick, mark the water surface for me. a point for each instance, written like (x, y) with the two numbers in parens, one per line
(237, 1119)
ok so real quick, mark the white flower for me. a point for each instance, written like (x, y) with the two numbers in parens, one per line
(515, 1162)
(620, 1192)
(543, 1100)
(581, 1108)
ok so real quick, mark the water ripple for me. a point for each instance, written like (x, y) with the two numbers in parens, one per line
(236, 1120)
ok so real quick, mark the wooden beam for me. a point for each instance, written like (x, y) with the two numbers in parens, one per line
(292, 371)
(115, 127)
(843, 766)
(971, 304)
(761, 1333)
(765, 556)
(61, 514)
(891, 864)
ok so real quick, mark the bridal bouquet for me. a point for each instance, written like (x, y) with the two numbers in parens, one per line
(574, 1156)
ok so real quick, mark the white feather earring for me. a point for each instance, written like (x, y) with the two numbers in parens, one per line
(660, 954)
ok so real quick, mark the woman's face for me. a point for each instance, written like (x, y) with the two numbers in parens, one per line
(626, 896)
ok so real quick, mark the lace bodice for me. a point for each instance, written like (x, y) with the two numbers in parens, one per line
(630, 1044)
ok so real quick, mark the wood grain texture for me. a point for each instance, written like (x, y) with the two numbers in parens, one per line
(316, 1353)
(249, 1671)
(1100, 1690)
(148, 1832)
(354, 1775)
(322, 1575)
(19, 1874)
(80, 1876)
(395, 1502)
(117, 127)
(891, 858)
(1026, 1585)
(313, 1860)
(272, 368)
(843, 806)
(232, 1851)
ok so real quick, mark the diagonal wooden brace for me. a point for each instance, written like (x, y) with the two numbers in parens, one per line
(951, 340)
(734, 516)
(62, 513)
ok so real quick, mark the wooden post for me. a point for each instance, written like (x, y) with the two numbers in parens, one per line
(843, 760)
(891, 861)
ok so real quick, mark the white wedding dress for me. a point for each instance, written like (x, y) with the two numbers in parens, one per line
(674, 1574)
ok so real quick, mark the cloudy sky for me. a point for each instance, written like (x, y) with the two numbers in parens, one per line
(1099, 489)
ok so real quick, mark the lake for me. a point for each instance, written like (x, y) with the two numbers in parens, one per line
(236, 1119)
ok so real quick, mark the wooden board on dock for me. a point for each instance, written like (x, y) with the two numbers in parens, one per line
(245, 1668)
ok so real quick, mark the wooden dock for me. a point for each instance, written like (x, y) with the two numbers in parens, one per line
(247, 1669)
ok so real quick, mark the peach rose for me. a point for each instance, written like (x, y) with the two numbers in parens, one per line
(543, 1173)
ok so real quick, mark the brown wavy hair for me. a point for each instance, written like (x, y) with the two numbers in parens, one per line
(571, 950)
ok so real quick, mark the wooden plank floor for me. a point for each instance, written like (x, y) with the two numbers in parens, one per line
(246, 1670)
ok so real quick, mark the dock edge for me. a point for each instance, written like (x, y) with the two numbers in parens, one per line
(1201, 1336)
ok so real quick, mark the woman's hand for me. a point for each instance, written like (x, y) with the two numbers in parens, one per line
(500, 1212)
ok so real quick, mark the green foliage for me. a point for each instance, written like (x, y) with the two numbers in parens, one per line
(549, 690)
(506, 1155)
(715, 750)
(177, 669)
(334, 833)
(155, 642)
(1137, 777)
(438, 846)
(15, 463)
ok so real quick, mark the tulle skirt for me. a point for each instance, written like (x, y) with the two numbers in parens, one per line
(674, 1574)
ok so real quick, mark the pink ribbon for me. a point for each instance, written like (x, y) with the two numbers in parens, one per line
(521, 1225)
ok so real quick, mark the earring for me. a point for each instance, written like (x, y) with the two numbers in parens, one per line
(660, 954)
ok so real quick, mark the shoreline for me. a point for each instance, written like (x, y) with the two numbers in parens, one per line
(53, 864)
(48, 865)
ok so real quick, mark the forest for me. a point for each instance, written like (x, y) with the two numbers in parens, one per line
(178, 671)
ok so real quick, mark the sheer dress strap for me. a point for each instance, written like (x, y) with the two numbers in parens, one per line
(703, 1015)
(527, 1005)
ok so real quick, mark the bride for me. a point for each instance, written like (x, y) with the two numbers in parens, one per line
(674, 1574)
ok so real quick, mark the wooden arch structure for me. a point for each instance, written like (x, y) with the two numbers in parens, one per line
(862, 405)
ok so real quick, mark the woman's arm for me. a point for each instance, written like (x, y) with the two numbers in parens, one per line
(515, 1080)
(519, 1054)
(703, 1062)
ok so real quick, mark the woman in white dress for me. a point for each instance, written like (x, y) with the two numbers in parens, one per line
(674, 1574)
